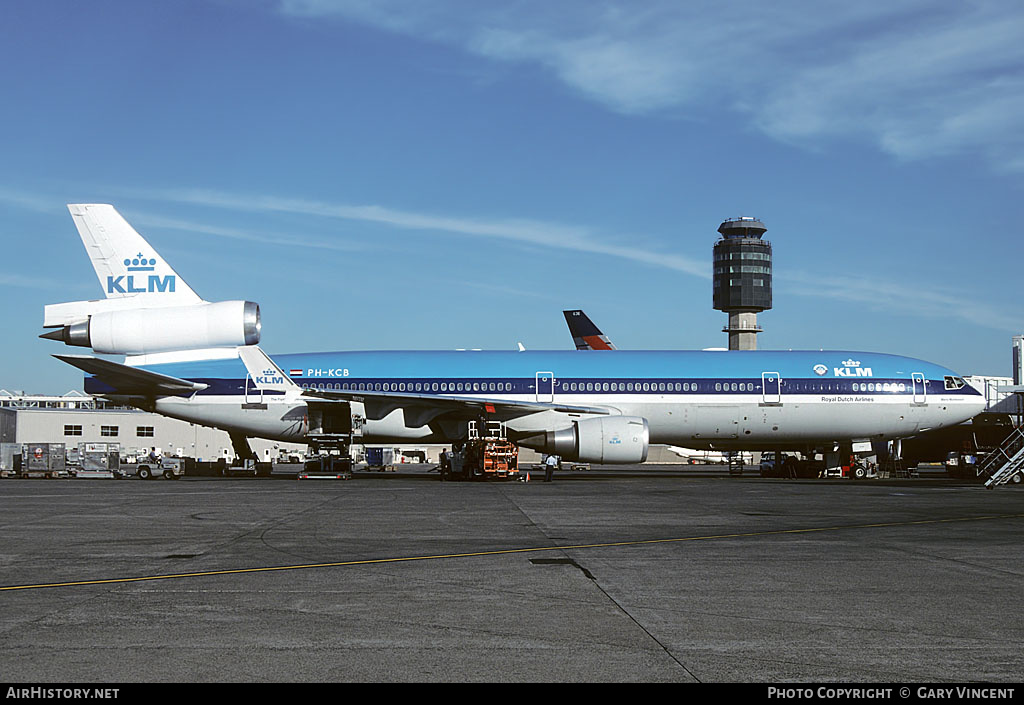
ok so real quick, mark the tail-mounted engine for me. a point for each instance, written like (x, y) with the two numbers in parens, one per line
(162, 329)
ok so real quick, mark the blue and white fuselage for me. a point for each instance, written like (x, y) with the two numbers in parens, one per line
(719, 399)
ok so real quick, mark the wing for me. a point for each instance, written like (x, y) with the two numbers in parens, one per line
(421, 409)
(131, 381)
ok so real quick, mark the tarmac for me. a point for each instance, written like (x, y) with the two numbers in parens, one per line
(637, 575)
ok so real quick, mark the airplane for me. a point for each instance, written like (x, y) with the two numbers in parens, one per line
(200, 362)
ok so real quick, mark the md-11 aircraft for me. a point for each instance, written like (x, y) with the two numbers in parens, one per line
(199, 362)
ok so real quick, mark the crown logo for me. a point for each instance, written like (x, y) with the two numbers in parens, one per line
(140, 264)
(851, 363)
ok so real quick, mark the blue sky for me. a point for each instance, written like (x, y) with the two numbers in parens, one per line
(400, 174)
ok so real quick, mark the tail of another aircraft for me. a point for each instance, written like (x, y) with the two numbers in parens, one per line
(584, 333)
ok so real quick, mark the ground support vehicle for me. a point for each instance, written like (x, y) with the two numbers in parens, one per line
(486, 455)
(98, 460)
(380, 459)
(245, 468)
(169, 468)
(327, 467)
(43, 460)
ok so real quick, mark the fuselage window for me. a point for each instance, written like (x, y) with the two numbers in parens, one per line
(718, 386)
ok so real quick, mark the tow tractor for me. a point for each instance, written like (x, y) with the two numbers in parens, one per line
(147, 468)
(487, 454)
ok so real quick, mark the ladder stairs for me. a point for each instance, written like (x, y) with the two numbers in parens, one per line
(1006, 461)
(894, 466)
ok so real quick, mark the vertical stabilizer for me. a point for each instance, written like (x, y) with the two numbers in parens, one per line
(584, 333)
(264, 373)
(125, 264)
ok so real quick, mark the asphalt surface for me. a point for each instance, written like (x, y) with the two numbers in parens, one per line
(647, 576)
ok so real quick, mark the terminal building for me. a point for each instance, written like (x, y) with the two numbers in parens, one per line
(76, 417)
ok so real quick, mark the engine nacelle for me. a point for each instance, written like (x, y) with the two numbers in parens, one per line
(606, 439)
(153, 330)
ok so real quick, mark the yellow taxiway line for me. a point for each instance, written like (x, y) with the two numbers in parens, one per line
(477, 554)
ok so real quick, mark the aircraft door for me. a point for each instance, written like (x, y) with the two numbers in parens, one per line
(919, 388)
(771, 387)
(253, 394)
(545, 382)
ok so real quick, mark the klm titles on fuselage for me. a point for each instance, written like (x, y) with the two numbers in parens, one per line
(852, 368)
(150, 283)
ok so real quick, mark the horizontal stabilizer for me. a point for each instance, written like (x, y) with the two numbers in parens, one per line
(131, 381)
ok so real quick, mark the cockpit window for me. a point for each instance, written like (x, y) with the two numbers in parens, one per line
(954, 382)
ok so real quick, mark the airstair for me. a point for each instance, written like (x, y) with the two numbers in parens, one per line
(1006, 462)
(893, 466)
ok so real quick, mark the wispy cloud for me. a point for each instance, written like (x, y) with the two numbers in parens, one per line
(919, 299)
(913, 77)
(276, 239)
(523, 231)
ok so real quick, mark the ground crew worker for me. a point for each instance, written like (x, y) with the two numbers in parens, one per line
(549, 467)
(446, 464)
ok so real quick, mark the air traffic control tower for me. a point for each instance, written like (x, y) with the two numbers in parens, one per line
(742, 279)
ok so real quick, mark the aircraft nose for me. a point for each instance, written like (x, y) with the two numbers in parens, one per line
(979, 405)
